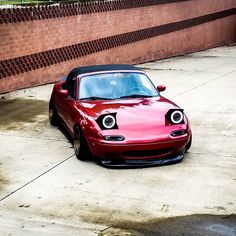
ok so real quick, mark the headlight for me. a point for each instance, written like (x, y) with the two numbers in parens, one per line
(108, 121)
(175, 116)
(114, 138)
(178, 132)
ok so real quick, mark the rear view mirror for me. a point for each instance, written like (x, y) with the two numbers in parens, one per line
(64, 92)
(161, 88)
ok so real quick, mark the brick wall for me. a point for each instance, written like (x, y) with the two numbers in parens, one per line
(39, 45)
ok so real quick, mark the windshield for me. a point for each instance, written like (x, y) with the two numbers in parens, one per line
(116, 85)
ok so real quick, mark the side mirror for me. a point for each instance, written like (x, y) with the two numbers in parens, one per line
(161, 88)
(64, 92)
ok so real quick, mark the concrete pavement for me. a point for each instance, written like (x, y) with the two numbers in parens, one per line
(45, 190)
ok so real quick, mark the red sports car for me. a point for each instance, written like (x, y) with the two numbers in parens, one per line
(115, 114)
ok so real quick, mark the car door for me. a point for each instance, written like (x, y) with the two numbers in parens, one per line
(67, 109)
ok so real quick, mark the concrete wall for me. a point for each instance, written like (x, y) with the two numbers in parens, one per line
(39, 45)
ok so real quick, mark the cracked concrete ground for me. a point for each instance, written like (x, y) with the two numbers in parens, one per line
(45, 190)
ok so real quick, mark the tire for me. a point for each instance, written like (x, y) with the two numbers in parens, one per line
(53, 116)
(187, 147)
(80, 145)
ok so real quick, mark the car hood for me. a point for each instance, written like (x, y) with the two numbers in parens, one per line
(135, 117)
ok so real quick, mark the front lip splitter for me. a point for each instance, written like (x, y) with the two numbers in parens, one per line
(142, 162)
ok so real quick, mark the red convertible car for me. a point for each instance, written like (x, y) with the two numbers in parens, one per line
(116, 115)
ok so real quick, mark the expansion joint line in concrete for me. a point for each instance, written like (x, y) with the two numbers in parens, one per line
(31, 181)
(212, 154)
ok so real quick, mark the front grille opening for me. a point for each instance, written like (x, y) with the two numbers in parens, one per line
(147, 153)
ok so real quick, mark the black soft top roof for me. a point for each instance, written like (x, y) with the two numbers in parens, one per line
(99, 68)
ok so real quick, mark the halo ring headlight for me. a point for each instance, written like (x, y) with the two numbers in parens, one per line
(108, 121)
(176, 117)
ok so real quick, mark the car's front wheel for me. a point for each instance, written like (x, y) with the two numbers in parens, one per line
(80, 145)
(188, 144)
(53, 116)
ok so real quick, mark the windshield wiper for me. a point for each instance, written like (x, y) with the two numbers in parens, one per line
(95, 98)
(137, 96)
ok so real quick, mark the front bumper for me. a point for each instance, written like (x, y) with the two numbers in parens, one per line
(139, 154)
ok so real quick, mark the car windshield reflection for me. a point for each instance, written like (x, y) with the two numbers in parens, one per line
(116, 85)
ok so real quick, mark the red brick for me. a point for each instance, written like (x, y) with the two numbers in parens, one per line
(19, 39)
